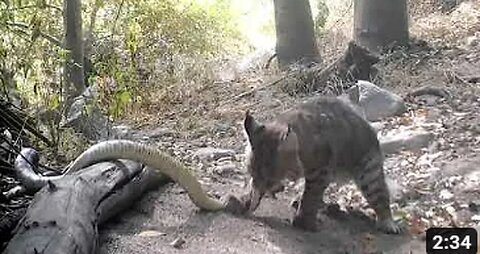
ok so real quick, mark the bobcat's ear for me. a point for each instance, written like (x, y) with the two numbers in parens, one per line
(353, 94)
(289, 140)
(286, 133)
(251, 125)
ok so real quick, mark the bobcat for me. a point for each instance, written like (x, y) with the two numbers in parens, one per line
(322, 140)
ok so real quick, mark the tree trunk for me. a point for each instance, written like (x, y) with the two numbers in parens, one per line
(379, 23)
(74, 77)
(64, 215)
(295, 33)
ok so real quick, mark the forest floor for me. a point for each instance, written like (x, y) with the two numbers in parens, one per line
(434, 186)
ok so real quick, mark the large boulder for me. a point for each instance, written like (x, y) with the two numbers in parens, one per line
(378, 103)
(411, 140)
(212, 153)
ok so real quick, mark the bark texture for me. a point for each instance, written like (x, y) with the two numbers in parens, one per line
(64, 215)
(295, 33)
(74, 76)
(380, 23)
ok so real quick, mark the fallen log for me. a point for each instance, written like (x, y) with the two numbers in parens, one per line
(65, 214)
(430, 90)
(122, 199)
(8, 222)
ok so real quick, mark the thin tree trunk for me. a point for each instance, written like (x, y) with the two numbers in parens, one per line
(380, 23)
(295, 33)
(88, 67)
(74, 76)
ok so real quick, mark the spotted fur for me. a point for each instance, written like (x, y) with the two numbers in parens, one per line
(322, 140)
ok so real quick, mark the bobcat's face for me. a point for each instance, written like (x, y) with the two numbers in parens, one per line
(271, 155)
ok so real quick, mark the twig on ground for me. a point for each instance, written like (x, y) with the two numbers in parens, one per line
(253, 90)
(14, 192)
(430, 90)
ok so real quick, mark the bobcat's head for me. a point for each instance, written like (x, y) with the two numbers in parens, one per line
(271, 157)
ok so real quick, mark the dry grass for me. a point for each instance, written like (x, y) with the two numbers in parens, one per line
(451, 29)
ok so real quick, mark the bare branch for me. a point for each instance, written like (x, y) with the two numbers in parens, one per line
(117, 16)
(35, 6)
(54, 7)
(46, 36)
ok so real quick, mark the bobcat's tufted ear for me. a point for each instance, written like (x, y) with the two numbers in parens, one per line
(287, 131)
(251, 125)
(353, 94)
(289, 140)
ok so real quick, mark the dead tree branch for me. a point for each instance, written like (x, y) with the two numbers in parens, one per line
(65, 214)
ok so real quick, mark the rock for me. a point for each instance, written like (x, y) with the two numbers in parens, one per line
(177, 243)
(474, 206)
(226, 169)
(428, 100)
(475, 218)
(160, 132)
(212, 154)
(472, 41)
(379, 103)
(85, 117)
(122, 132)
(255, 60)
(377, 126)
(446, 194)
(151, 233)
(405, 140)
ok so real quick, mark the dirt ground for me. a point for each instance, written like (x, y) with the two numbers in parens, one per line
(164, 215)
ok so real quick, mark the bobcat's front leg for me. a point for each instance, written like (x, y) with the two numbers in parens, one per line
(312, 198)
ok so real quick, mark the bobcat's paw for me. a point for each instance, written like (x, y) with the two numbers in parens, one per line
(305, 223)
(389, 226)
(235, 205)
(295, 203)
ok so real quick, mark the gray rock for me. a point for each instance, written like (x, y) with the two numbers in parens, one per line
(212, 154)
(472, 41)
(226, 169)
(178, 243)
(122, 131)
(85, 117)
(377, 126)
(406, 140)
(160, 132)
(352, 98)
(378, 103)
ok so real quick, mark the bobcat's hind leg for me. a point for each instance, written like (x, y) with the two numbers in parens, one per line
(372, 184)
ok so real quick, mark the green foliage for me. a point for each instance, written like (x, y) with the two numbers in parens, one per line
(54, 102)
(149, 37)
(129, 37)
(182, 27)
(131, 41)
(322, 15)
